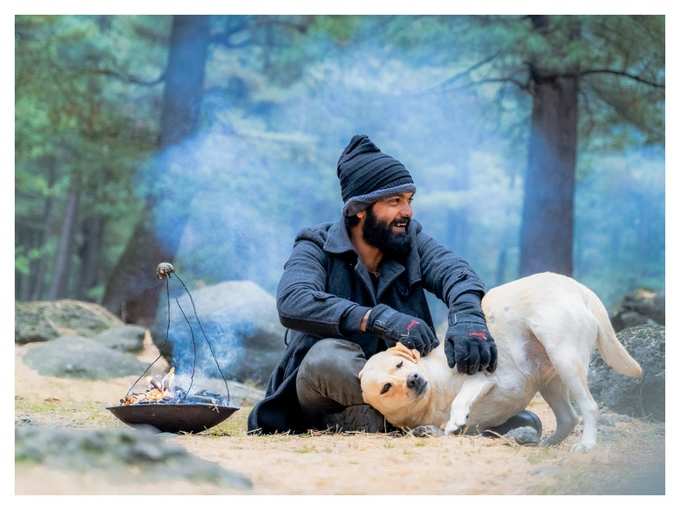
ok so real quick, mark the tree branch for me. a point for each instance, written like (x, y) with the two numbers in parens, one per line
(125, 77)
(466, 72)
(625, 74)
(522, 86)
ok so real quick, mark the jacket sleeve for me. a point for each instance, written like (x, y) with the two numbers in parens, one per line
(304, 305)
(446, 275)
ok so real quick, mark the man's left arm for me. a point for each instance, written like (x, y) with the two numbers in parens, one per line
(468, 343)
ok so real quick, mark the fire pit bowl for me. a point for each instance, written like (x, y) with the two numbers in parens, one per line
(173, 417)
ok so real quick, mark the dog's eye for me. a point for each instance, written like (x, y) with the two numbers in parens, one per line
(386, 388)
(400, 364)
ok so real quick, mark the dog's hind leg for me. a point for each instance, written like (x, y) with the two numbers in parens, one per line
(556, 394)
(568, 337)
(474, 388)
(574, 376)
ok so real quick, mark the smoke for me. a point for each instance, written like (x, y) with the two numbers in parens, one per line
(263, 164)
(207, 348)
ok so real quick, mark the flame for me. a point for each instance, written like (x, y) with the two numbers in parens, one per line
(158, 389)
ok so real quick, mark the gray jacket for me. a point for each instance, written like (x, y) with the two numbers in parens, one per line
(324, 291)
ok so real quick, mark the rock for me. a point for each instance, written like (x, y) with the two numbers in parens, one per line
(139, 452)
(39, 321)
(635, 397)
(79, 357)
(128, 338)
(642, 306)
(242, 323)
(523, 435)
(427, 431)
(243, 394)
(22, 420)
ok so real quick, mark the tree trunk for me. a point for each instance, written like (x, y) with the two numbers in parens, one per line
(89, 255)
(457, 218)
(38, 275)
(547, 231)
(62, 265)
(132, 289)
(508, 240)
(24, 237)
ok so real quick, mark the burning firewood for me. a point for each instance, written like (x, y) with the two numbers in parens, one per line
(158, 389)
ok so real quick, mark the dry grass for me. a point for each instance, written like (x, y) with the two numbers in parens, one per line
(357, 463)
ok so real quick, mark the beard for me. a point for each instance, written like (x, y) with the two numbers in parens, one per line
(380, 235)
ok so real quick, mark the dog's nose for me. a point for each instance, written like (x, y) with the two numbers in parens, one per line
(413, 381)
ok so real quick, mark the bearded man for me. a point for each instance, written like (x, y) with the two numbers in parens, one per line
(353, 288)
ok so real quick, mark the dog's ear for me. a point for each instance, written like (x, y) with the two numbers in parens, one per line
(400, 349)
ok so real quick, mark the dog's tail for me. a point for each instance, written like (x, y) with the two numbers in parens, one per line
(611, 349)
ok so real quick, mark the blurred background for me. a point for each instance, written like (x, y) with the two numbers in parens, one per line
(536, 143)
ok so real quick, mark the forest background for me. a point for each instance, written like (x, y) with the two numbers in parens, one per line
(536, 143)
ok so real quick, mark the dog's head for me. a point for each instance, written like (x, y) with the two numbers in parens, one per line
(394, 383)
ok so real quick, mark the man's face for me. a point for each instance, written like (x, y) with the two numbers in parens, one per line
(385, 224)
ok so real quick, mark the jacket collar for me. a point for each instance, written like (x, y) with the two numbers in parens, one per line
(338, 241)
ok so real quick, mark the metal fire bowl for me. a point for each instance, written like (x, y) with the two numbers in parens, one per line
(173, 417)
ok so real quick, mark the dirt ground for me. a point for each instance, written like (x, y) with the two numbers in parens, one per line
(629, 457)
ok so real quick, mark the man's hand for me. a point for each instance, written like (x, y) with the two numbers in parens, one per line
(392, 326)
(469, 344)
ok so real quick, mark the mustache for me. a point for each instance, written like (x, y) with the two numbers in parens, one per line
(405, 220)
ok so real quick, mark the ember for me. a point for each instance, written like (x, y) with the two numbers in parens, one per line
(162, 391)
(157, 391)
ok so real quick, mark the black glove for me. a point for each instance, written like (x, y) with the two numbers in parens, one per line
(469, 343)
(386, 323)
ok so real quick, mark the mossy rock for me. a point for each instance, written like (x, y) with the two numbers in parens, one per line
(114, 452)
(644, 397)
(40, 321)
(81, 358)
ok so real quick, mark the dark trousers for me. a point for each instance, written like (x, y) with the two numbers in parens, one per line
(328, 379)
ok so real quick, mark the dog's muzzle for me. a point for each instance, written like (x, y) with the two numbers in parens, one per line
(416, 383)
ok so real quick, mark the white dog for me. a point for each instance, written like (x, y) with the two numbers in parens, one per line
(545, 327)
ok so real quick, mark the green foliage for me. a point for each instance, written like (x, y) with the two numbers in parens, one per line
(74, 120)
(449, 95)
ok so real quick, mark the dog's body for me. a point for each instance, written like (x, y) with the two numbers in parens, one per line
(545, 327)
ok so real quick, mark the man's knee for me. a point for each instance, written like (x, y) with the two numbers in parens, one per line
(332, 357)
(330, 371)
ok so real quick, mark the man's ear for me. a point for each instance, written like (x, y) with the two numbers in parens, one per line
(361, 372)
(361, 214)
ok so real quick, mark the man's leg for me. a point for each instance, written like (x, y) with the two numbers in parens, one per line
(329, 391)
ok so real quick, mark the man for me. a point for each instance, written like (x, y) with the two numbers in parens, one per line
(356, 287)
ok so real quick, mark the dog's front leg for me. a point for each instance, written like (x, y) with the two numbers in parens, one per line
(474, 388)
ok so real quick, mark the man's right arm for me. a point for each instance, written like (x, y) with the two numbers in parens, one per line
(303, 303)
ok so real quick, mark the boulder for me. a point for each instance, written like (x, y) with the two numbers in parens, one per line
(243, 394)
(128, 338)
(136, 452)
(642, 306)
(39, 321)
(83, 358)
(635, 397)
(241, 322)
(240, 394)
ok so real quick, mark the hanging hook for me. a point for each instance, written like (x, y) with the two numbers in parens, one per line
(164, 269)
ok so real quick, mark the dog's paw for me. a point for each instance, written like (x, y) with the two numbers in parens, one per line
(452, 428)
(457, 422)
(582, 447)
(427, 431)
